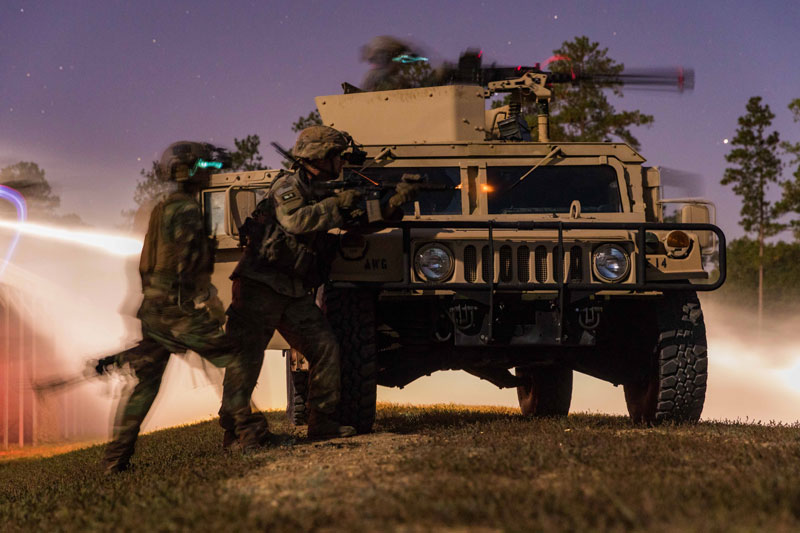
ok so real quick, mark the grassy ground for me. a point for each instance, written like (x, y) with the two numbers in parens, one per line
(440, 467)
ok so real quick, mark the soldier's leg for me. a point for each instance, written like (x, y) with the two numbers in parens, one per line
(305, 328)
(252, 317)
(148, 360)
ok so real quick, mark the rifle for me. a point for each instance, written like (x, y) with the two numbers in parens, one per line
(373, 191)
(95, 368)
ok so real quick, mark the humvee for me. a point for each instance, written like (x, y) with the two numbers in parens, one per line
(545, 258)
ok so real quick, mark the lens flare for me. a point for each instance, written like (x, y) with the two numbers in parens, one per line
(11, 195)
(112, 244)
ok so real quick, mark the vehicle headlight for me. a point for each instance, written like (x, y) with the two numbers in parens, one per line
(611, 262)
(434, 262)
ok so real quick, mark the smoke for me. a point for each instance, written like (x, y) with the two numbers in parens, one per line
(89, 294)
(87, 289)
(752, 376)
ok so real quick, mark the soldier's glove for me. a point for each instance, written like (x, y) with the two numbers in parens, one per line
(211, 302)
(348, 199)
(406, 191)
(105, 365)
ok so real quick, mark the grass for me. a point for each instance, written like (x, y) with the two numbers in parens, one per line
(437, 467)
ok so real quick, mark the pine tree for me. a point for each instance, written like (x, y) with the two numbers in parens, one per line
(790, 201)
(756, 166)
(582, 112)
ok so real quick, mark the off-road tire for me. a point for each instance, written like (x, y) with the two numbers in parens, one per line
(548, 391)
(351, 314)
(296, 395)
(677, 373)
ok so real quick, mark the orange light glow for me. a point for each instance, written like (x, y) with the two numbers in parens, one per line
(458, 187)
(487, 188)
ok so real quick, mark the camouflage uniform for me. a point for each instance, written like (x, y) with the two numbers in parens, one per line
(266, 298)
(180, 312)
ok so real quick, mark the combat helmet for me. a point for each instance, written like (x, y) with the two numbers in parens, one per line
(319, 142)
(185, 153)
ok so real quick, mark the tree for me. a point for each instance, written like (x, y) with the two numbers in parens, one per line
(312, 119)
(247, 156)
(790, 201)
(756, 165)
(582, 112)
(782, 280)
(28, 178)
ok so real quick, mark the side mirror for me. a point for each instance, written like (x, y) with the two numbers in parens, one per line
(698, 214)
(241, 203)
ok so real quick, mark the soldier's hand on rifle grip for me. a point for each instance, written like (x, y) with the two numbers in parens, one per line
(406, 191)
(348, 199)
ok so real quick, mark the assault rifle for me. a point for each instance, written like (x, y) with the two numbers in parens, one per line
(94, 368)
(374, 192)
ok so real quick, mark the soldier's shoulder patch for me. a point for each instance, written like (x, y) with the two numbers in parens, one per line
(288, 195)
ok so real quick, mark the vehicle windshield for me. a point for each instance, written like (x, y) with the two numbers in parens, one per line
(430, 202)
(551, 189)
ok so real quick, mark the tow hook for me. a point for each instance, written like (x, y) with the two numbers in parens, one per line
(589, 317)
(463, 316)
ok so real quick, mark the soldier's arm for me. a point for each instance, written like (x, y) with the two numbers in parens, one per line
(185, 228)
(298, 217)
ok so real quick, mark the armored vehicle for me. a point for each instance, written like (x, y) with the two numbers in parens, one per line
(543, 259)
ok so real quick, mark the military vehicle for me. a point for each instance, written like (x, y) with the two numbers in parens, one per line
(545, 258)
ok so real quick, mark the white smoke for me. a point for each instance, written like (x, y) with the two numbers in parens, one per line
(85, 289)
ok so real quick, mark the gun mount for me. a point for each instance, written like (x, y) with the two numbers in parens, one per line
(449, 108)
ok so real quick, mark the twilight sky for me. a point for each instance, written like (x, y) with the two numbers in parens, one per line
(94, 90)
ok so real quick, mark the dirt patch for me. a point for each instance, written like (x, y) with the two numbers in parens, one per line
(334, 472)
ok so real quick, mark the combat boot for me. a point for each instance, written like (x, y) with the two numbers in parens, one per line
(117, 458)
(252, 441)
(323, 426)
(229, 441)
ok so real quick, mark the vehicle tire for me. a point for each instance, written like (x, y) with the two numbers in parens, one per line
(296, 394)
(674, 389)
(351, 314)
(548, 391)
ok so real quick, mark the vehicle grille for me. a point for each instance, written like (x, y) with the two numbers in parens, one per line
(487, 266)
(575, 264)
(523, 264)
(515, 264)
(470, 264)
(540, 258)
(505, 263)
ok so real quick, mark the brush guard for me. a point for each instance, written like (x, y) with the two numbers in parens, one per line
(562, 287)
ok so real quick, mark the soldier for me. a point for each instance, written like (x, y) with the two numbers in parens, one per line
(287, 256)
(180, 310)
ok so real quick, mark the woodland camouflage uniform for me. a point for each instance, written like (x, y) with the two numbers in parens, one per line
(180, 312)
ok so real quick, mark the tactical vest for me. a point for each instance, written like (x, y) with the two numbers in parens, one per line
(269, 246)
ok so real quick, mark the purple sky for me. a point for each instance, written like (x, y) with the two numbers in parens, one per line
(93, 91)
